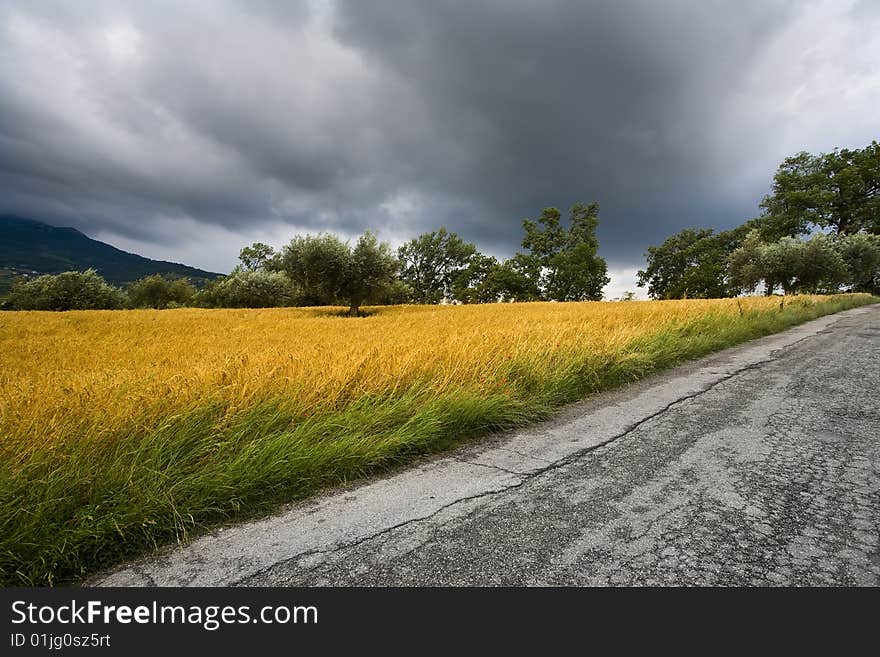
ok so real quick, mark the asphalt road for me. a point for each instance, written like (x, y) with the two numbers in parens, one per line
(759, 465)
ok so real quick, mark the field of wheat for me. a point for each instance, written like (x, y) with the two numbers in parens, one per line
(121, 430)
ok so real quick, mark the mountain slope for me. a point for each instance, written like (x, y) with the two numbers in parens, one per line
(28, 246)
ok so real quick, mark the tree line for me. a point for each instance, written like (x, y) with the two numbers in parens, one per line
(558, 262)
(819, 231)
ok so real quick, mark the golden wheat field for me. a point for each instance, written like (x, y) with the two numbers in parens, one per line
(123, 429)
(94, 372)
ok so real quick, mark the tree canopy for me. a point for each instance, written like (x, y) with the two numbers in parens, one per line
(371, 270)
(248, 288)
(861, 253)
(256, 256)
(820, 264)
(317, 265)
(328, 271)
(159, 292)
(837, 191)
(474, 283)
(690, 264)
(562, 263)
(834, 194)
(432, 262)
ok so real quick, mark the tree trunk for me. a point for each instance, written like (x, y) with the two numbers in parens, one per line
(355, 308)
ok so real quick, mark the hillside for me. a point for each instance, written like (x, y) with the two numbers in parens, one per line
(28, 246)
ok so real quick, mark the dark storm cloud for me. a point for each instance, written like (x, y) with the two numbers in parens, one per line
(555, 102)
(181, 125)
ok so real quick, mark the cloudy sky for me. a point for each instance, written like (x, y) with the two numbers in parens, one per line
(183, 130)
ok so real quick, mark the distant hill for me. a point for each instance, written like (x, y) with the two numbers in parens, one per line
(32, 247)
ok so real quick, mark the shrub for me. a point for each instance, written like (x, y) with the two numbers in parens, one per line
(159, 292)
(71, 290)
(250, 289)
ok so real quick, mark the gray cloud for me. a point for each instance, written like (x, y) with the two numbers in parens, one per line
(185, 129)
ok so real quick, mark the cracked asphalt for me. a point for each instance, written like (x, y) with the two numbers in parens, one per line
(759, 465)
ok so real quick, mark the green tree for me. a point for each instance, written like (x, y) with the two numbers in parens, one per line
(544, 238)
(579, 274)
(820, 268)
(256, 256)
(395, 293)
(795, 265)
(563, 264)
(328, 271)
(745, 266)
(512, 280)
(780, 261)
(371, 270)
(245, 288)
(159, 292)
(837, 191)
(71, 290)
(473, 283)
(861, 253)
(431, 263)
(690, 264)
(318, 265)
(485, 280)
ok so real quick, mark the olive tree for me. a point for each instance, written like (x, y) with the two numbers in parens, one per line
(861, 253)
(328, 271)
(813, 265)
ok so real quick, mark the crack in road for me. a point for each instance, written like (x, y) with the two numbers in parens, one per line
(516, 473)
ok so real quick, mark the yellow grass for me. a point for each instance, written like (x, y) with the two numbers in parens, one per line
(98, 371)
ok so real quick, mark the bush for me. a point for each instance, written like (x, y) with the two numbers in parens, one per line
(71, 290)
(159, 292)
(250, 289)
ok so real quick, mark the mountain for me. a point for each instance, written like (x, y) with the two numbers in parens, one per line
(32, 247)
